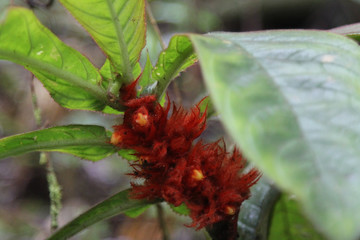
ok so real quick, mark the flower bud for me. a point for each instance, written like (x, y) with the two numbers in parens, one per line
(141, 119)
(116, 138)
(230, 210)
(197, 175)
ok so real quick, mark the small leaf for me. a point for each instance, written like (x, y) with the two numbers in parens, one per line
(117, 204)
(291, 100)
(176, 58)
(85, 141)
(128, 154)
(133, 213)
(288, 222)
(255, 213)
(110, 110)
(206, 104)
(70, 78)
(146, 82)
(109, 75)
(181, 209)
(117, 26)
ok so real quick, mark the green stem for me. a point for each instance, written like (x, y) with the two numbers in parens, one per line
(153, 23)
(127, 74)
(54, 187)
(54, 191)
(36, 109)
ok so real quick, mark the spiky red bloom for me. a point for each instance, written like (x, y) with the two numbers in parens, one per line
(205, 176)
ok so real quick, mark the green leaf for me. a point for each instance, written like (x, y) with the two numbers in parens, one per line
(109, 75)
(181, 209)
(255, 213)
(70, 78)
(85, 141)
(128, 154)
(176, 58)
(117, 204)
(207, 104)
(291, 101)
(133, 213)
(117, 26)
(110, 110)
(288, 222)
(146, 82)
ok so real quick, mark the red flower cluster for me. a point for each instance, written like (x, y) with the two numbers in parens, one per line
(203, 176)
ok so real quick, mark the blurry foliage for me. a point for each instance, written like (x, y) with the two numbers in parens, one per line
(24, 203)
(288, 221)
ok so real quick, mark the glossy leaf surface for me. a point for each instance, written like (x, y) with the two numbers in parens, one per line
(176, 58)
(70, 78)
(291, 100)
(117, 26)
(85, 141)
(115, 205)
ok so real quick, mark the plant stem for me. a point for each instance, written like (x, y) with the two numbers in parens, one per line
(36, 109)
(153, 23)
(54, 191)
(160, 213)
(54, 187)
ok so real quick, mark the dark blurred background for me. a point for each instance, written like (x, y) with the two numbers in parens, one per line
(24, 201)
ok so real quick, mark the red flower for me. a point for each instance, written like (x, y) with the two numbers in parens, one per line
(205, 176)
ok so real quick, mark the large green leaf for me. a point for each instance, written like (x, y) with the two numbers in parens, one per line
(117, 204)
(85, 141)
(291, 99)
(118, 27)
(288, 222)
(70, 78)
(176, 58)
